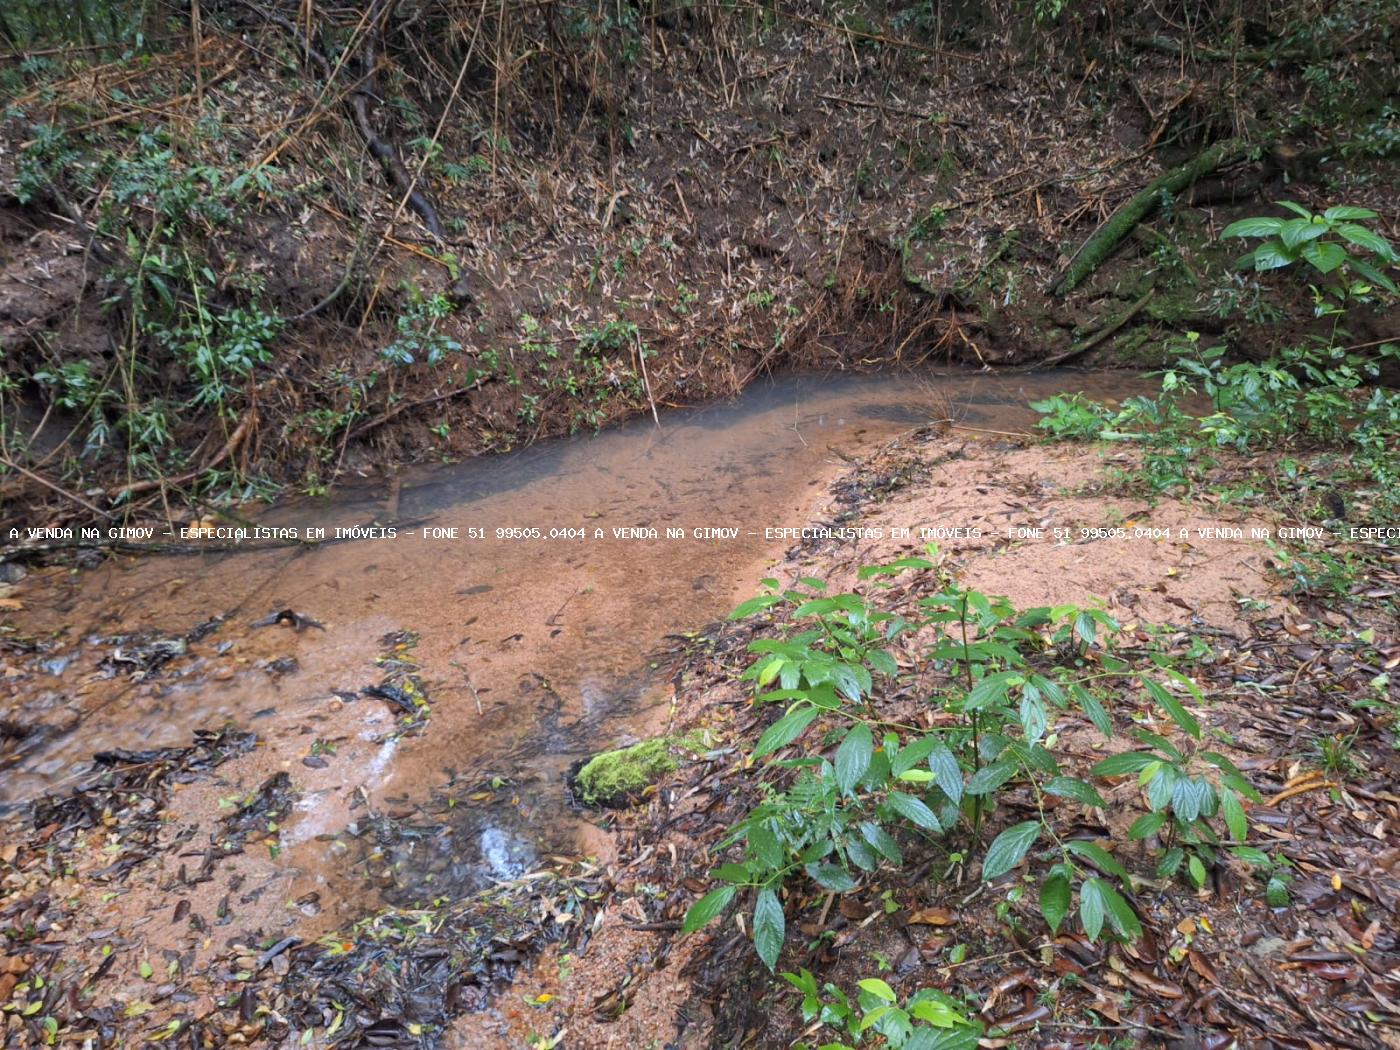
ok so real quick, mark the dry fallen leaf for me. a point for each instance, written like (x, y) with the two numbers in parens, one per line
(934, 916)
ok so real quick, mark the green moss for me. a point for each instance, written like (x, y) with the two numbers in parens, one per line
(612, 777)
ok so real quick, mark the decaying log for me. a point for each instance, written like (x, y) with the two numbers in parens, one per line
(1107, 237)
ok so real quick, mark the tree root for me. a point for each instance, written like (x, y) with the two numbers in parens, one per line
(136, 488)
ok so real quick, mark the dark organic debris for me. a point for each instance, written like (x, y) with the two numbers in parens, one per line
(396, 696)
(141, 656)
(396, 979)
(300, 621)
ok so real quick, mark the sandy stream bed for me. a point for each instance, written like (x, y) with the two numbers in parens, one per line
(637, 984)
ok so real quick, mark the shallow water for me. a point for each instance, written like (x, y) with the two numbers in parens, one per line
(534, 651)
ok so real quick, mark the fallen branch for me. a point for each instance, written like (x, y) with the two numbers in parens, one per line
(398, 410)
(1099, 336)
(56, 488)
(382, 151)
(1094, 251)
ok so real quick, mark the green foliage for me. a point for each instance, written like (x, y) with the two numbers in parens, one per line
(193, 337)
(1192, 794)
(1327, 242)
(863, 791)
(417, 337)
(1317, 395)
(927, 1020)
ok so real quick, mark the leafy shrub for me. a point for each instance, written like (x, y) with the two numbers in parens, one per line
(886, 786)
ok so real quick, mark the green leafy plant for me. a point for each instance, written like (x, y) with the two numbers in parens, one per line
(1187, 791)
(417, 337)
(873, 789)
(927, 1020)
(1327, 242)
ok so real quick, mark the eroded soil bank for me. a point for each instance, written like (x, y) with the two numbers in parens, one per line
(611, 209)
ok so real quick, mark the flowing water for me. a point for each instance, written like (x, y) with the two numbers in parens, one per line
(534, 649)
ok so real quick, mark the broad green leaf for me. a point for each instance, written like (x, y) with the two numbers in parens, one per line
(1009, 848)
(882, 841)
(960, 1038)
(1085, 628)
(989, 778)
(1251, 855)
(1299, 231)
(1339, 212)
(1295, 208)
(1259, 227)
(1091, 907)
(1054, 901)
(1272, 255)
(1147, 824)
(853, 758)
(1161, 743)
(875, 1016)
(1093, 709)
(911, 809)
(1121, 914)
(1220, 762)
(769, 927)
(816, 607)
(1197, 871)
(786, 729)
(732, 873)
(707, 908)
(1368, 239)
(911, 756)
(1079, 790)
(1033, 720)
(1186, 800)
(1276, 893)
(1161, 781)
(1233, 812)
(805, 982)
(882, 661)
(860, 853)
(878, 988)
(753, 605)
(1123, 764)
(1374, 275)
(894, 568)
(1324, 255)
(1170, 863)
(1050, 688)
(1182, 717)
(765, 846)
(1238, 784)
(991, 690)
(947, 774)
(831, 877)
(1100, 857)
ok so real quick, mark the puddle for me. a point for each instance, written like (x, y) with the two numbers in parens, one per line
(534, 651)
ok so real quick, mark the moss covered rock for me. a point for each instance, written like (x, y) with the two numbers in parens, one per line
(613, 778)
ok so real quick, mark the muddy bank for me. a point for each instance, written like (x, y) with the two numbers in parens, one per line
(646, 210)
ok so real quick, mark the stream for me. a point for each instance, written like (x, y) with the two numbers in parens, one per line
(533, 650)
